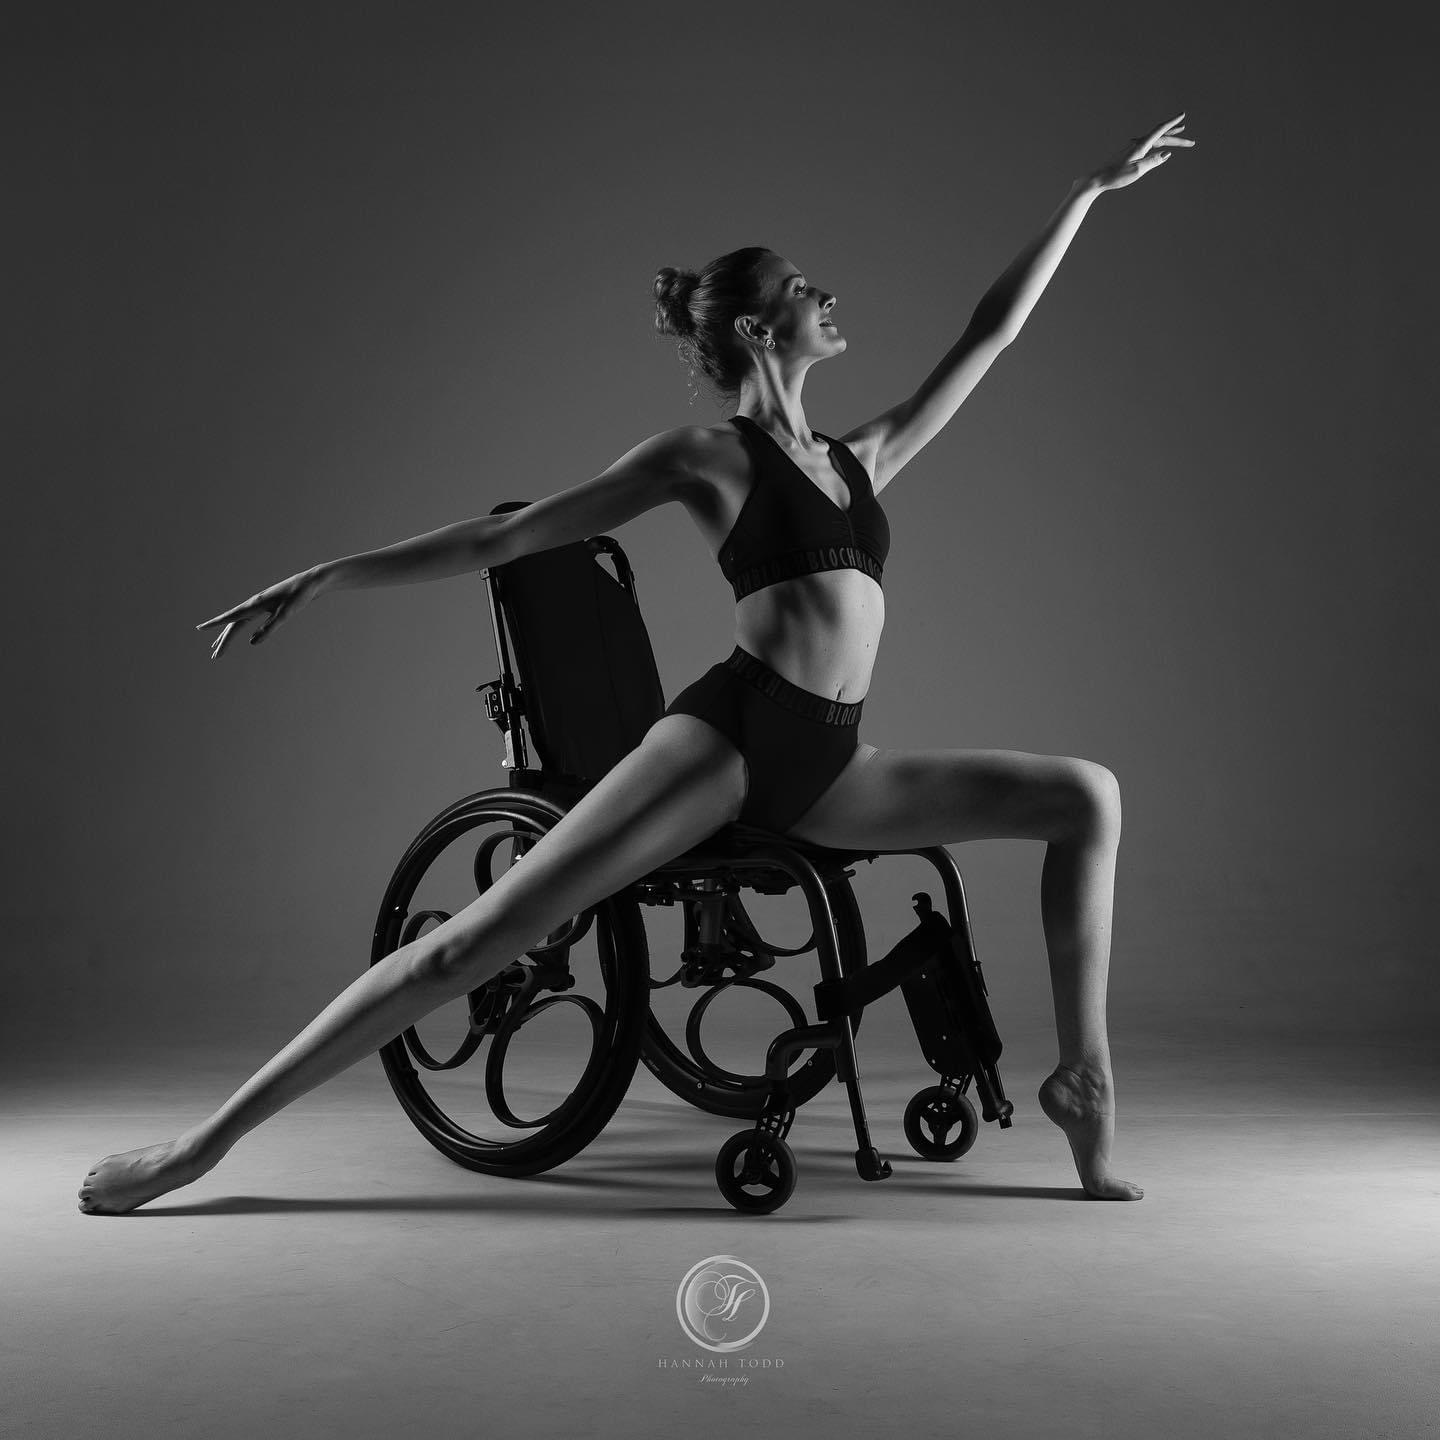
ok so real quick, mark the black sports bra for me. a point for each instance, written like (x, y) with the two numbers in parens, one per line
(788, 526)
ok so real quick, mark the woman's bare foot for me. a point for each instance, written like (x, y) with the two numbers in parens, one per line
(1081, 1104)
(123, 1182)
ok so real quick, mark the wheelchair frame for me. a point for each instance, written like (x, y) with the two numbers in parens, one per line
(934, 965)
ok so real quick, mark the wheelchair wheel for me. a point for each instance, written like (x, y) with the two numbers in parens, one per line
(563, 1023)
(691, 1072)
(756, 1171)
(932, 1115)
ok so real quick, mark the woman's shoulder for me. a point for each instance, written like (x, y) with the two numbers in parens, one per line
(704, 453)
(700, 439)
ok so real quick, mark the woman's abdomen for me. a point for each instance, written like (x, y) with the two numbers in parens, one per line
(820, 632)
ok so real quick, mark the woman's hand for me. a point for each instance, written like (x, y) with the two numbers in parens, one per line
(1140, 157)
(271, 607)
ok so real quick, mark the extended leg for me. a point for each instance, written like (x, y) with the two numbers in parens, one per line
(905, 799)
(678, 786)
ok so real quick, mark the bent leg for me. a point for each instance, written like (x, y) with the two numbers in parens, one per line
(678, 786)
(906, 799)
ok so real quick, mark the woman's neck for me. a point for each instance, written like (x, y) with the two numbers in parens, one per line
(772, 400)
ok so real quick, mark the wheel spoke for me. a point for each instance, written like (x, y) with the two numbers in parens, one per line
(685, 1065)
(540, 1092)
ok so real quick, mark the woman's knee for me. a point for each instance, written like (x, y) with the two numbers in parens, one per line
(1092, 800)
(471, 947)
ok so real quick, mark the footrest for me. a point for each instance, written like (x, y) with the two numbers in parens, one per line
(951, 1015)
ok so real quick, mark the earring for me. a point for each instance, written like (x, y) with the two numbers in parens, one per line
(769, 342)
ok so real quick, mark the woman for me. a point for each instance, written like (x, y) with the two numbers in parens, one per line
(768, 736)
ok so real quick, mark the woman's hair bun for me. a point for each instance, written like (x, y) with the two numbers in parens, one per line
(673, 289)
(699, 308)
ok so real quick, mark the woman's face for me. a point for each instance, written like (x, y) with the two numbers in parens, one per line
(798, 317)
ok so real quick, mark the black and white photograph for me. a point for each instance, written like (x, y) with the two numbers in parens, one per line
(721, 720)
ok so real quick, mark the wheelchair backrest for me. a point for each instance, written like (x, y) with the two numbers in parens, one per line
(588, 679)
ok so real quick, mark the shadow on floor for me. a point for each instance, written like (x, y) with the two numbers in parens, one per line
(528, 1202)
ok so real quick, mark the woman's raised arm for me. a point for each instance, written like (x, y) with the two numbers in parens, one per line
(656, 471)
(893, 439)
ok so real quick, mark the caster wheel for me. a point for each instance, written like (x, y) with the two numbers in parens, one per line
(756, 1171)
(931, 1117)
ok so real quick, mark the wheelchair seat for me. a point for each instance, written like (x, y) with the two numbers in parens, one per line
(581, 691)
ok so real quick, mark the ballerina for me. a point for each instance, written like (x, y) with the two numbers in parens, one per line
(769, 735)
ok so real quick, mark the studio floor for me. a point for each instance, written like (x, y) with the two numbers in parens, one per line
(336, 1276)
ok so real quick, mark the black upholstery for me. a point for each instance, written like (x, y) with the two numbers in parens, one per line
(590, 685)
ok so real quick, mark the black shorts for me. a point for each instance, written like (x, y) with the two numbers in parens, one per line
(793, 741)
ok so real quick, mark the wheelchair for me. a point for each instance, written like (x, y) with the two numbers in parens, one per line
(527, 1069)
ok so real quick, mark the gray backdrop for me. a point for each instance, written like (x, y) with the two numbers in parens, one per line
(282, 289)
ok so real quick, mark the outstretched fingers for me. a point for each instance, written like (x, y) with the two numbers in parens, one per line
(235, 613)
(269, 613)
(270, 607)
(1166, 128)
(230, 623)
(1167, 134)
(222, 639)
(1162, 134)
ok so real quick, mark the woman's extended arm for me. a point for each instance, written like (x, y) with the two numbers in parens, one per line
(451, 550)
(654, 472)
(1007, 304)
(895, 437)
